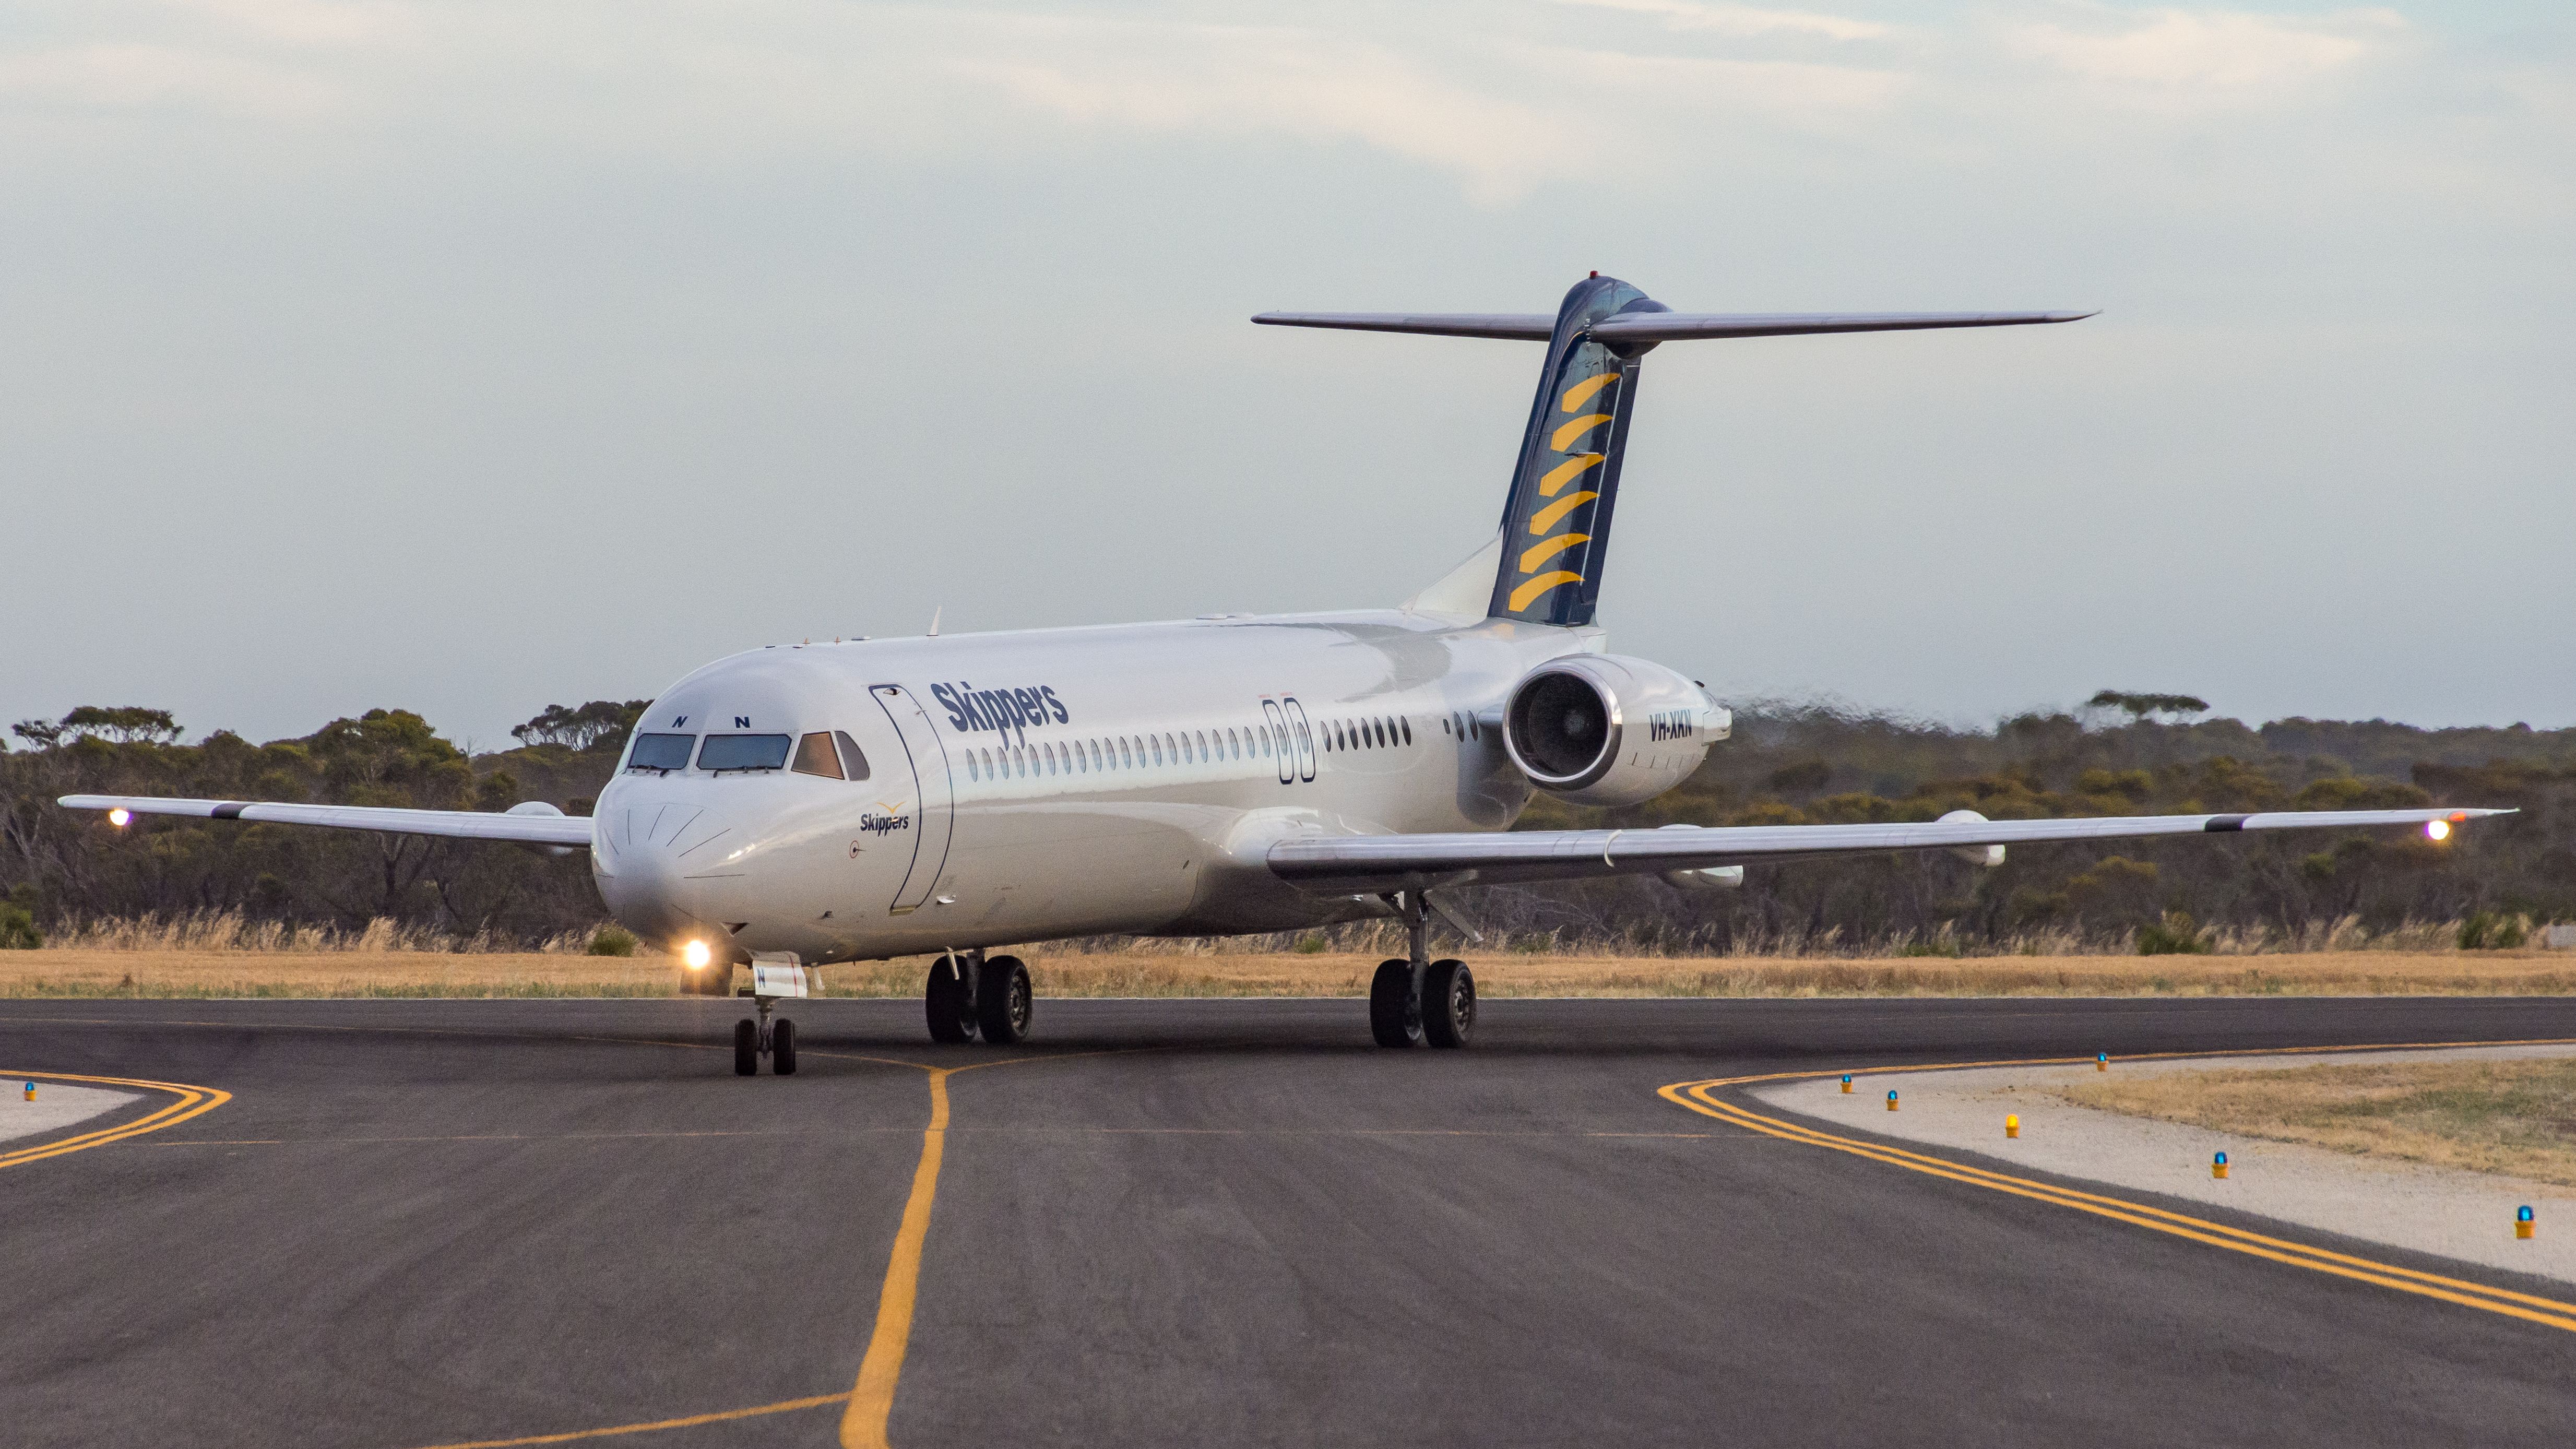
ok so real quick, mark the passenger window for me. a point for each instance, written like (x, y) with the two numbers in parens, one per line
(1203, 750)
(1050, 757)
(1157, 747)
(1377, 731)
(1407, 726)
(815, 756)
(972, 773)
(661, 752)
(854, 764)
(743, 752)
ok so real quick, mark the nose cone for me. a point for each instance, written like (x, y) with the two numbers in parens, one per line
(648, 852)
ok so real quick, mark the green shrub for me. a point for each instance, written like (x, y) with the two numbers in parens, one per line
(2493, 931)
(2176, 935)
(18, 930)
(612, 941)
(1936, 946)
(1310, 945)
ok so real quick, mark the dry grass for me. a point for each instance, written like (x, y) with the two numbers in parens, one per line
(2517, 1118)
(93, 971)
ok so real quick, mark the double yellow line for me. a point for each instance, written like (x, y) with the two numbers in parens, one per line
(191, 1102)
(1702, 1097)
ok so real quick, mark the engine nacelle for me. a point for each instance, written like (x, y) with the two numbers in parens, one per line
(1602, 729)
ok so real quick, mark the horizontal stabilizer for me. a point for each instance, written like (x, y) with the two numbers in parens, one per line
(1515, 326)
(1649, 327)
(1686, 326)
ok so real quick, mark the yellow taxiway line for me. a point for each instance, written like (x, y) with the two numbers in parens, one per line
(192, 1102)
(1701, 1097)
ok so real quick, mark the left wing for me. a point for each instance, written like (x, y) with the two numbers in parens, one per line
(1376, 863)
(533, 823)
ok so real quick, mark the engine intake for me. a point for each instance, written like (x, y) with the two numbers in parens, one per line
(1601, 729)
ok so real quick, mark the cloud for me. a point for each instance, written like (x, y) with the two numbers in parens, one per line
(1742, 21)
(157, 77)
(2204, 53)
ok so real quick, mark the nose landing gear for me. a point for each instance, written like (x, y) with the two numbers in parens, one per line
(753, 1040)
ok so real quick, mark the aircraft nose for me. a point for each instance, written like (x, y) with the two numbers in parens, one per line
(651, 851)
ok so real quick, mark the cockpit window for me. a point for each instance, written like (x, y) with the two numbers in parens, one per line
(661, 752)
(853, 764)
(743, 752)
(814, 756)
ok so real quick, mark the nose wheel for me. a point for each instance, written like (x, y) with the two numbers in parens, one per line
(775, 1040)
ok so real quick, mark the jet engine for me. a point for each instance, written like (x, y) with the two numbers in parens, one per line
(1603, 729)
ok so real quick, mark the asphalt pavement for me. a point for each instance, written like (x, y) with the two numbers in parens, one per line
(1163, 1223)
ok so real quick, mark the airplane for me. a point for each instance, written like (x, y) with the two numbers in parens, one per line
(796, 806)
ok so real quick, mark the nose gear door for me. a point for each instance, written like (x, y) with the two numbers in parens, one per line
(931, 794)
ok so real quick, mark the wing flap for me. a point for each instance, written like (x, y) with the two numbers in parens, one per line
(456, 824)
(1330, 865)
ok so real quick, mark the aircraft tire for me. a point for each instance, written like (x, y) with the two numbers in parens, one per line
(746, 1049)
(951, 1004)
(1395, 1016)
(1448, 1004)
(782, 1048)
(1004, 1004)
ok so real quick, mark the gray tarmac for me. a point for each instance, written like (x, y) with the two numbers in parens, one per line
(1205, 1222)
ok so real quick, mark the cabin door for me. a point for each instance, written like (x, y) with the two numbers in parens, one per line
(932, 799)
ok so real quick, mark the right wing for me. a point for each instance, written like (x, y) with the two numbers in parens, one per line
(535, 827)
(1333, 864)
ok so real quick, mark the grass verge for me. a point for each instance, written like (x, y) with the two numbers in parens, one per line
(183, 973)
(2517, 1118)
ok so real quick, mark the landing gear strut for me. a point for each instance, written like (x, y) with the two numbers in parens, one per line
(1418, 999)
(970, 993)
(765, 1038)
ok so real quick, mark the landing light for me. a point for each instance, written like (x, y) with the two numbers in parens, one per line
(695, 953)
(120, 817)
(2437, 830)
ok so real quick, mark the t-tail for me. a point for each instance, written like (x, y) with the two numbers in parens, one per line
(1556, 522)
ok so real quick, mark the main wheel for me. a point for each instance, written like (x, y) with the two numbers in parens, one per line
(746, 1049)
(950, 1001)
(1395, 1013)
(782, 1048)
(1448, 1004)
(1004, 1004)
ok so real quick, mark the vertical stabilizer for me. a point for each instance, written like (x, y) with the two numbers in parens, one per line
(1556, 526)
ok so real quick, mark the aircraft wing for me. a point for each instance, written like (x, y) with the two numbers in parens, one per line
(531, 828)
(1332, 865)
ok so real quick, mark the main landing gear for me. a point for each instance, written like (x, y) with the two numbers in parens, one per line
(1417, 999)
(970, 993)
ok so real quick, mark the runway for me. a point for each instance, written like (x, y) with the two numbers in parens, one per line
(1182, 1223)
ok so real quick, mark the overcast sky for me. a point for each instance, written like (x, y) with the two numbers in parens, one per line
(472, 357)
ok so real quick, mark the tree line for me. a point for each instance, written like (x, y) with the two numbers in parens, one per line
(1789, 763)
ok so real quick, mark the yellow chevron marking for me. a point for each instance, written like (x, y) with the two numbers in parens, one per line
(1581, 393)
(1576, 429)
(1521, 596)
(1563, 473)
(1548, 517)
(1538, 554)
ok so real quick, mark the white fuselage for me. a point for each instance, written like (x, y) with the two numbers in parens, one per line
(1125, 779)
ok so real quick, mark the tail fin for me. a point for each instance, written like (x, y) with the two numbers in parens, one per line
(1556, 524)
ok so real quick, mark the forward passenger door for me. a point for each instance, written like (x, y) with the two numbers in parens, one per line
(932, 794)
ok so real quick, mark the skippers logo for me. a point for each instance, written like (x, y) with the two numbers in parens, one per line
(887, 823)
(999, 710)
